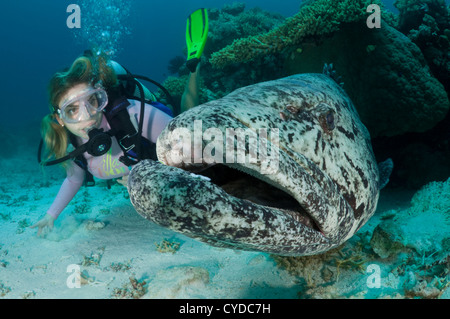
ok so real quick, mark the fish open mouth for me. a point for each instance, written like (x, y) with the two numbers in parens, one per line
(249, 188)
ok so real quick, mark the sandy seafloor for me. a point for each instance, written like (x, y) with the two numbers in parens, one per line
(101, 233)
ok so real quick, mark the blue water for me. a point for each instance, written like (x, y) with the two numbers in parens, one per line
(36, 43)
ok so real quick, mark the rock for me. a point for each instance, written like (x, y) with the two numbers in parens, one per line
(258, 259)
(93, 225)
(386, 239)
(422, 228)
(178, 282)
(421, 289)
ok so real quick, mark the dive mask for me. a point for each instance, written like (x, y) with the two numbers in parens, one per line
(83, 106)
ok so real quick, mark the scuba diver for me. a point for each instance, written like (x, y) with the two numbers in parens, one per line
(111, 120)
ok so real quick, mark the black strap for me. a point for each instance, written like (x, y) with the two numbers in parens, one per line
(134, 146)
(81, 161)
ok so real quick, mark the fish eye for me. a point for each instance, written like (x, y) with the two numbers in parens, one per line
(330, 120)
(325, 115)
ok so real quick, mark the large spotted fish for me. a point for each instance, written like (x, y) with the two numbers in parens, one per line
(314, 183)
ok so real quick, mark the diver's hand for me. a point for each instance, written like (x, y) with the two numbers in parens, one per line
(44, 225)
(123, 181)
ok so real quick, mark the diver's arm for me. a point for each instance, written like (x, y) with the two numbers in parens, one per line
(190, 96)
(70, 186)
(66, 193)
(68, 189)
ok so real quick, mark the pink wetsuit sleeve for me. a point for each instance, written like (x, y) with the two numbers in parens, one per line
(154, 123)
(155, 120)
(70, 186)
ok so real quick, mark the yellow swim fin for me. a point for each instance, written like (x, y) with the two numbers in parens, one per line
(196, 35)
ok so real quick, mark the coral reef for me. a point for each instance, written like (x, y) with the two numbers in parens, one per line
(234, 22)
(228, 24)
(175, 85)
(390, 82)
(427, 24)
(328, 269)
(315, 19)
(386, 239)
(81, 209)
(94, 225)
(178, 282)
(22, 225)
(432, 197)
(168, 246)
(94, 258)
(134, 289)
(410, 247)
(422, 289)
(116, 267)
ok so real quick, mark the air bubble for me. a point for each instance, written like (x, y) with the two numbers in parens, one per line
(103, 25)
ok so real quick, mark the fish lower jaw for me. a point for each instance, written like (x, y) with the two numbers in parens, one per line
(247, 184)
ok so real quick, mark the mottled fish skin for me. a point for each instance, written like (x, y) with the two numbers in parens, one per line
(326, 163)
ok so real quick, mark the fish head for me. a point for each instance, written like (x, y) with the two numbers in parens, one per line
(291, 152)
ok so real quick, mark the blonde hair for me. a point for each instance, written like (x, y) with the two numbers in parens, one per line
(85, 69)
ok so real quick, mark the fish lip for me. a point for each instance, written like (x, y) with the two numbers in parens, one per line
(300, 239)
(197, 168)
(317, 194)
(313, 214)
(305, 168)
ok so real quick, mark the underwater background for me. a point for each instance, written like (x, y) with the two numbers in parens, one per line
(398, 79)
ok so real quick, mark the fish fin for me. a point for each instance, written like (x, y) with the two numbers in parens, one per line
(385, 169)
(329, 70)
